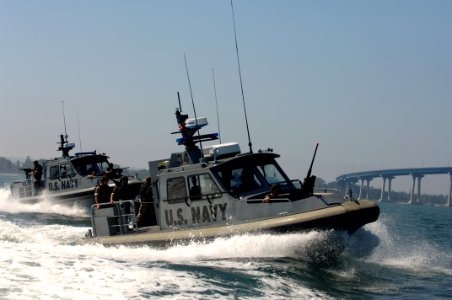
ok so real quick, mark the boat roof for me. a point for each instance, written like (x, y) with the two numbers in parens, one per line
(246, 158)
(240, 160)
(79, 156)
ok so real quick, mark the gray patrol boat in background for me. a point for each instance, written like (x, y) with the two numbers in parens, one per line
(69, 180)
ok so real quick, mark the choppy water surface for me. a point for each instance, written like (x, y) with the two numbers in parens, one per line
(406, 254)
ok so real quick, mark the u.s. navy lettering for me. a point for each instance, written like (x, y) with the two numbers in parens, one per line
(199, 215)
(63, 185)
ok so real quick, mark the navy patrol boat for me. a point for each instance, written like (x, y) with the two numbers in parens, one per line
(204, 193)
(69, 180)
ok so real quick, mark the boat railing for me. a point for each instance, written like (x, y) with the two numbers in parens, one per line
(113, 219)
(22, 189)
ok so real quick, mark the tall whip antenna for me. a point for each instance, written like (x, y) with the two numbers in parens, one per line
(178, 98)
(240, 76)
(192, 101)
(64, 120)
(216, 101)
(79, 137)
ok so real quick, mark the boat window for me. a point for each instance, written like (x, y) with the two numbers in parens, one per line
(240, 180)
(92, 169)
(54, 172)
(176, 188)
(88, 164)
(81, 169)
(251, 173)
(271, 173)
(66, 170)
(102, 167)
(202, 186)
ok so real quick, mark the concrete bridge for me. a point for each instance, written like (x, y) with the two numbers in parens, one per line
(347, 180)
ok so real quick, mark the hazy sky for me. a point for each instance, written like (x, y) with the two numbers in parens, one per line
(369, 80)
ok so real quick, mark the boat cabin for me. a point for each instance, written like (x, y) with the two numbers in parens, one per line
(215, 186)
(65, 173)
(70, 172)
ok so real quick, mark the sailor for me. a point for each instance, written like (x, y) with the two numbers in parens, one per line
(93, 175)
(195, 190)
(122, 192)
(37, 174)
(248, 181)
(102, 193)
(273, 194)
(110, 171)
(146, 213)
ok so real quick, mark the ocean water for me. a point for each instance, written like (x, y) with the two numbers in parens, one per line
(406, 254)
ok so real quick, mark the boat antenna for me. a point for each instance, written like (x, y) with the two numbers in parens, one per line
(79, 137)
(240, 77)
(216, 102)
(309, 181)
(192, 101)
(178, 98)
(64, 120)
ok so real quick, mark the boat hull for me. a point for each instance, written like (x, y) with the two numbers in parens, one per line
(347, 216)
(81, 198)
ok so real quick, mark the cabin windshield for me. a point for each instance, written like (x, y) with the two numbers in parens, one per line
(250, 174)
(271, 174)
(88, 165)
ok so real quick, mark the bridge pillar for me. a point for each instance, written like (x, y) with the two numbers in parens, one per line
(382, 189)
(450, 191)
(341, 185)
(367, 187)
(390, 178)
(361, 188)
(412, 189)
(349, 184)
(419, 188)
(417, 199)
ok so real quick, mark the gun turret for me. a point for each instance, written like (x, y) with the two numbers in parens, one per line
(309, 181)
